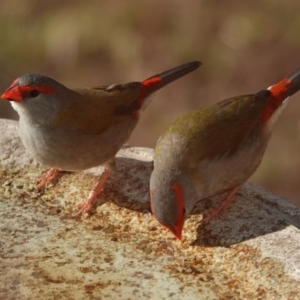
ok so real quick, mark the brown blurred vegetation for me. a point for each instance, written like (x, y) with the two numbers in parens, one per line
(245, 46)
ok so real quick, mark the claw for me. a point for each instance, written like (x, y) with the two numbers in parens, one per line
(219, 210)
(46, 178)
(86, 205)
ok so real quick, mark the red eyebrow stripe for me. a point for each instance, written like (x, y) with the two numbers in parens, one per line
(25, 89)
(18, 92)
(178, 194)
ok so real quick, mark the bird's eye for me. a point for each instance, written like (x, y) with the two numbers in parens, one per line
(34, 93)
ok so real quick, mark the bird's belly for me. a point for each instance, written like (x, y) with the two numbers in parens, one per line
(225, 173)
(62, 149)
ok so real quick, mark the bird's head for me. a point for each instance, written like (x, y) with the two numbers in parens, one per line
(37, 96)
(30, 86)
(167, 205)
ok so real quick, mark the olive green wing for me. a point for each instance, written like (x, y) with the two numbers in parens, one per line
(218, 130)
(92, 111)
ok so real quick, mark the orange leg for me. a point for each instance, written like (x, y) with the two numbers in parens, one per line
(46, 178)
(88, 203)
(219, 210)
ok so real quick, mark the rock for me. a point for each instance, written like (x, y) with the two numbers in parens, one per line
(121, 252)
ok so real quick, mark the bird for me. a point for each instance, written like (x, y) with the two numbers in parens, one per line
(77, 129)
(213, 150)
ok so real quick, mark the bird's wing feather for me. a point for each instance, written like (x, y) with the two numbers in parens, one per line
(97, 109)
(217, 130)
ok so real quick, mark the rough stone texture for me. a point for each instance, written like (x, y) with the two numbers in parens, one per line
(121, 252)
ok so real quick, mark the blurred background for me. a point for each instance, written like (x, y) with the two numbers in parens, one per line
(245, 46)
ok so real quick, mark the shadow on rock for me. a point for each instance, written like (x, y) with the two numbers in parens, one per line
(244, 219)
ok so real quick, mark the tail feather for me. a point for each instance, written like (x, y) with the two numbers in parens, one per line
(156, 82)
(295, 83)
(173, 74)
(279, 92)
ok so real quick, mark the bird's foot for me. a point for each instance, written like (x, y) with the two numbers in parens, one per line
(214, 213)
(46, 178)
(86, 205)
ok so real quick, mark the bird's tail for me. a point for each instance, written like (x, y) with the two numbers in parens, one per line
(286, 87)
(279, 92)
(156, 82)
(295, 83)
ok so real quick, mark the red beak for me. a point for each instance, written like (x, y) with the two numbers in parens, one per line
(12, 93)
(177, 231)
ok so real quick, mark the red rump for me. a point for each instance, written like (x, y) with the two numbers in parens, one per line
(279, 92)
(149, 85)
